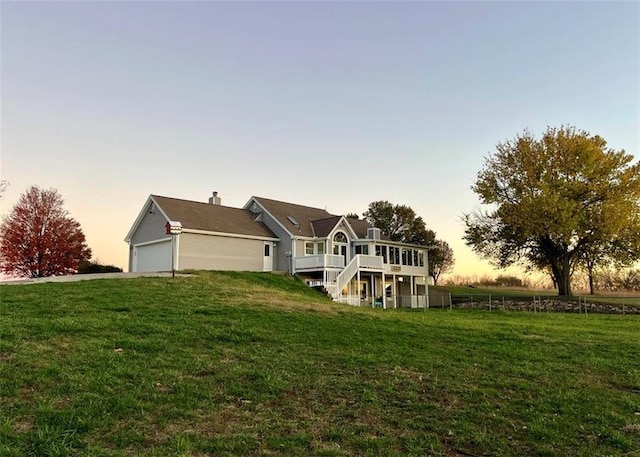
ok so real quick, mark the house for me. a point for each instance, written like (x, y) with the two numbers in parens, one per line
(352, 261)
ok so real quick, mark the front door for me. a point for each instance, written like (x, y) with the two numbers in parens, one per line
(267, 264)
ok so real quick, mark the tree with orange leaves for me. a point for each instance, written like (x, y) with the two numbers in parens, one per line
(39, 238)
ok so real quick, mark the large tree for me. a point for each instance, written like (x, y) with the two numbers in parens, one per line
(440, 260)
(399, 223)
(556, 201)
(39, 238)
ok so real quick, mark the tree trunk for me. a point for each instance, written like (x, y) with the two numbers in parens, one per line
(562, 275)
(564, 284)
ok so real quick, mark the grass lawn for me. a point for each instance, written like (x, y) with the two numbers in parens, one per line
(257, 364)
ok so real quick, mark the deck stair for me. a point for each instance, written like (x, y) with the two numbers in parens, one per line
(359, 262)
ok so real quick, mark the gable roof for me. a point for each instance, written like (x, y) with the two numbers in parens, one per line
(304, 215)
(322, 227)
(311, 221)
(212, 218)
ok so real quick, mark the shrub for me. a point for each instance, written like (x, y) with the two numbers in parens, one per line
(95, 267)
(509, 281)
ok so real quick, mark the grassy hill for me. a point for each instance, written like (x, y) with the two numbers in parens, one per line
(258, 364)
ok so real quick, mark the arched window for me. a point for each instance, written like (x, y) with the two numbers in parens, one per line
(340, 237)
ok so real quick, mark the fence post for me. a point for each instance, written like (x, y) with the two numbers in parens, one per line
(450, 302)
(535, 311)
(623, 307)
(489, 302)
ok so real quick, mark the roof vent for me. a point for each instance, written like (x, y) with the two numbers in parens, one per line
(293, 220)
(215, 200)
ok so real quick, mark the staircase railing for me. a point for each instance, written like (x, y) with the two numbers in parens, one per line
(345, 275)
(365, 262)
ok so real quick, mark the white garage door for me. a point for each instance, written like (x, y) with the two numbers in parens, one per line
(152, 257)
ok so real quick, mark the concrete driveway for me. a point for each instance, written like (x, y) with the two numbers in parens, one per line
(72, 278)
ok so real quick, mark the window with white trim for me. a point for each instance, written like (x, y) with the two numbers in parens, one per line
(394, 255)
(362, 249)
(381, 251)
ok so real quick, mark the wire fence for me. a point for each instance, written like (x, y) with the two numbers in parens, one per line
(535, 303)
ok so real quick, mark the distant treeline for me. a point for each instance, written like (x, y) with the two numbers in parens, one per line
(498, 281)
(618, 281)
(625, 280)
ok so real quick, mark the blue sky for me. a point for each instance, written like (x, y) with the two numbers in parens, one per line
(328, 104)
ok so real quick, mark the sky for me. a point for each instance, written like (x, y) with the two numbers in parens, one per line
(326, 104)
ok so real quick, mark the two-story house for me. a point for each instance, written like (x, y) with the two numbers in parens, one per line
(352, 261)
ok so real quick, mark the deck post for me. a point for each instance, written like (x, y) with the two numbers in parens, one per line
(384, 292)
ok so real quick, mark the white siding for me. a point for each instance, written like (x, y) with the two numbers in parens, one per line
(151, 228)
(211, 252)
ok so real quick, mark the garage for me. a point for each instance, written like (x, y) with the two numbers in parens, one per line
(152, 256)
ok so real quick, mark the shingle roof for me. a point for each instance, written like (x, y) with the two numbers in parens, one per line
(312, 221)
(304, 215)
(359, 226)
(322, 227)
(212, 218)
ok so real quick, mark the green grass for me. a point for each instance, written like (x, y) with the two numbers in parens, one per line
(258, 364)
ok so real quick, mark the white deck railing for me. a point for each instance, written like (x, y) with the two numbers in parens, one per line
(321, 261)
(353, 300)
(370, 262)
(359, 262)
(336, 274)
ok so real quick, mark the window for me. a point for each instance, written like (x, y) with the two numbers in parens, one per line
(415, 257)
(421, 258)
(362, 249)
(320, 246)
(308, 248)
(394, 255)
(340, 238)
(381, 251)
(267, 250)
(404, 256)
